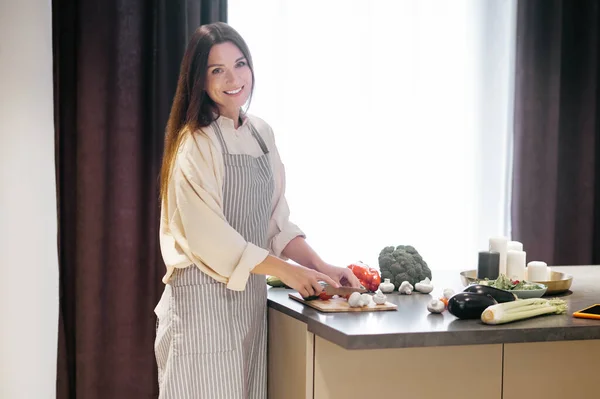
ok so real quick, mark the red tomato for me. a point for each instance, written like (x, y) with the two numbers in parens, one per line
(368, 276)
(375, 281)
(324, 296)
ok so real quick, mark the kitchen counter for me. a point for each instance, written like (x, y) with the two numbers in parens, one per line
(413, 326)
(412, 353)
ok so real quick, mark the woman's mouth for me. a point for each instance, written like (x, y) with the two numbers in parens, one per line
(234, 92)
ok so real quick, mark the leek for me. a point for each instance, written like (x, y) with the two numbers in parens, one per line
(522, 309)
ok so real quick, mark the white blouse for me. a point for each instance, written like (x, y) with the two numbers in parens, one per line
(193, 230)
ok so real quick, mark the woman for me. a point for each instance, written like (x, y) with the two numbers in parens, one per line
(224, 226)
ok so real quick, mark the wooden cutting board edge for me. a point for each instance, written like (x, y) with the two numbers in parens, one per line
(315, 305)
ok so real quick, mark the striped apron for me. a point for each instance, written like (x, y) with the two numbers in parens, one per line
(211, 342)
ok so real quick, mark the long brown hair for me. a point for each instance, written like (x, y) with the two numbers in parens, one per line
(192, 108)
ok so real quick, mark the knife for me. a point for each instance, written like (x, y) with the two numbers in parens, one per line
(341, 291)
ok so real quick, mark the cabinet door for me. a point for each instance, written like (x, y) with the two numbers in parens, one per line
(290, 357)
(552, 370)
(449, 372)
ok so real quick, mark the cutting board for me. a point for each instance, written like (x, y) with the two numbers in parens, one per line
(340, 305)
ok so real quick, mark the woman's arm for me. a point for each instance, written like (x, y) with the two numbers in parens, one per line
(300, 278)
(302, 253)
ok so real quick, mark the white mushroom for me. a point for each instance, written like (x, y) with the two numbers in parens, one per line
(366, 299)
(424, 286)
(379, 298)
(448, 293)
(436, 306)
(405, 288)
(355, 300)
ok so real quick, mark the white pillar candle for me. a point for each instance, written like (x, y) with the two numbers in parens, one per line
(499, 244)
(515, 265)
(537, 271)
(514, 245)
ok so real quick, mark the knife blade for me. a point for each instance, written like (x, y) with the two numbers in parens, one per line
(330, 290)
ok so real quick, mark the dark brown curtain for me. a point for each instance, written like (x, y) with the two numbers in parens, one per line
(116, 68)
(556, 188)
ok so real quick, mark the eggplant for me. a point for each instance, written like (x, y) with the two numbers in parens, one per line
(469, 305)
(499, 295)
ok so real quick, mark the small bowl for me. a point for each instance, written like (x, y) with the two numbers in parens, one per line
(523, 294)
(558, 283)
(470, 277)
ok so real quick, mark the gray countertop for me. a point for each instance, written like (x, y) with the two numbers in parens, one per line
(413, 326)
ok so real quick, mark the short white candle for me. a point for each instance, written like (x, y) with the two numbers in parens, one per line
(537, 271)
(515, 265)
(499, 244)
(514, 246)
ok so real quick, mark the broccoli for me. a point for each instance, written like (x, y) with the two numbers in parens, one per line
(402, 263)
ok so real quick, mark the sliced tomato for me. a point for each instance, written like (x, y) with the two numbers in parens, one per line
(324, 296)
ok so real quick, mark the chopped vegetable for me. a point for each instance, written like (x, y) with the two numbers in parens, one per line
(436, 306)
(405, 288)
(424, 286)
(324, 296)
(522, 309)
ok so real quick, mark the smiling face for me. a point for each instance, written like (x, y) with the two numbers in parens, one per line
(228, 79)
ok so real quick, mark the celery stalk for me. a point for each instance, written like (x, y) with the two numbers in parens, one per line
(522, 309)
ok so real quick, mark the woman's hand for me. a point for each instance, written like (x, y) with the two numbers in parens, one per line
(341, 275)
(305, 280)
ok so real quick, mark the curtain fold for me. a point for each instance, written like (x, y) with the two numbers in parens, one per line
(556, 186)
(116, 65)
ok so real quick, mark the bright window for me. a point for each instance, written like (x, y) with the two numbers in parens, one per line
(393, 119)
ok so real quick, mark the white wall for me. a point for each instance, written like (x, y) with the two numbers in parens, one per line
(28, 225)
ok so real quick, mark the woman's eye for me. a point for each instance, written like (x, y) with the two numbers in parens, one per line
(241, 64)
(216, 71)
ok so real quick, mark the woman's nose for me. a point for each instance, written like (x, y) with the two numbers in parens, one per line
(231, 77)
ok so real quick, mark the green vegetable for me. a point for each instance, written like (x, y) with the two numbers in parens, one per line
(504, 283)
(522, 309)
(403, 263)
(276, 282)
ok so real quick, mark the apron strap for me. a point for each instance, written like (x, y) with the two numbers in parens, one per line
(258, 138)
(220, 137)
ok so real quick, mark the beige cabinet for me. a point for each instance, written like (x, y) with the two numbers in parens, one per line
(432, 372)
(291, 358)
(552, 370)
(304, 366)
